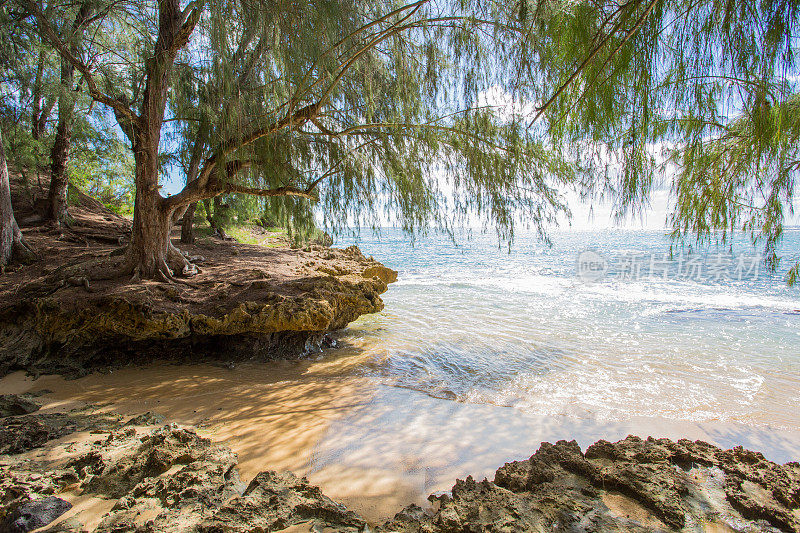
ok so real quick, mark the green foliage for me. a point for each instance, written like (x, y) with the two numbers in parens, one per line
(742, 179)
(24, 153)
(695, 94)
(99, 163)
(400, 136)
(610, 99)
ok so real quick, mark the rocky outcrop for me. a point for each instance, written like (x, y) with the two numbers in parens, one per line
(245, 313)
(168, 479)
(633, 485)
(22, 433)
(34, 514)
(171, 479)
(386, 275)
(13, 405)
(274, 501)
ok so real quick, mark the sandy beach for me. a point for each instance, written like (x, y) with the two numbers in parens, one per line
(373, 447)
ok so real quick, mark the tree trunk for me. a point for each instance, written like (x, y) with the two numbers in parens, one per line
(209, 215)
(187, 228)
(57, 195)
(151, 253)
(36, 112)
(215, 218)
(12, 245)
(41, 106)
(151, 221)
(150, 249)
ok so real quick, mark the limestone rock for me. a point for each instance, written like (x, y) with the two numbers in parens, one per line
(15, 405)
(146, 419)
(633, 485)
(19, 435)
(170, 479)
(275, 501)
(34, 514)
(385, 274)
(238, 318)
(157, 453)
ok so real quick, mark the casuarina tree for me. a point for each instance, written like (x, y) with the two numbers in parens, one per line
(358, 106)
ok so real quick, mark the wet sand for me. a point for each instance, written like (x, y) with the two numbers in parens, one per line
(373, 447)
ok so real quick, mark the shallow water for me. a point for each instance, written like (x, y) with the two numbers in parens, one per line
(481, 355)
(480, 325)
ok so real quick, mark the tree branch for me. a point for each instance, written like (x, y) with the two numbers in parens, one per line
(298, 118)
(277, 191)
(191, 16)
(596, 50)
(298, 95)
(393, 29)
(192, 193)
(49, 34)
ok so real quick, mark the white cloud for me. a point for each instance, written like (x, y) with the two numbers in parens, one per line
(506, 105)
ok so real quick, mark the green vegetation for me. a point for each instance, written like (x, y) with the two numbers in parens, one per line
(423, 114)
(700, 96)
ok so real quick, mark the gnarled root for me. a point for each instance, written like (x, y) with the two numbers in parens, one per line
(112, 267)
(179, 262)
(21, 252)
(175, 261)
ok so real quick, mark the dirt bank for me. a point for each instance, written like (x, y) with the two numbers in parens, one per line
(248, 302)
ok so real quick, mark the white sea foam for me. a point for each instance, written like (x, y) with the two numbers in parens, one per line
(480, 325)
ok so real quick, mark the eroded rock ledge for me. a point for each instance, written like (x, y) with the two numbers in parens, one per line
(168, 478)
(250, 302)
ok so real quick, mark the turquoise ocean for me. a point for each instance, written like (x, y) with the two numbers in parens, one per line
(482, 352)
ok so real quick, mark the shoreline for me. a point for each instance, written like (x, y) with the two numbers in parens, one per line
(346, 433)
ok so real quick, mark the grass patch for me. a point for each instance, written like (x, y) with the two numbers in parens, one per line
(268, 237)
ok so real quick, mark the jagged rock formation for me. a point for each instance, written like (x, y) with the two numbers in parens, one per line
(633, 485)
(170, 479)
(14, 404)
(34, 514)
(19, 434)
(274, 501)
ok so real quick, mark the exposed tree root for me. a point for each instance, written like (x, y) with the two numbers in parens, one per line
(58, 223)
(15, 249)
(179, 262)
(109, 267)
(79, 282)
(21, 252)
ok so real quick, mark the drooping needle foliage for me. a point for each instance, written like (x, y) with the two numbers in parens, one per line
(697, 95)
(397, 130)
(436, 112)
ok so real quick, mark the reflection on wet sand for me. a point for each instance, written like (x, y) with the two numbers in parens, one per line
(374, 447)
